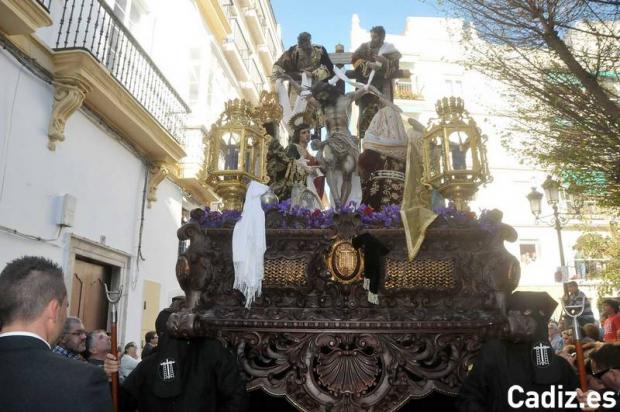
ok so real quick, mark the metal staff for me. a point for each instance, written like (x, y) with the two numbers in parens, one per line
(574, 311)
(114, 297)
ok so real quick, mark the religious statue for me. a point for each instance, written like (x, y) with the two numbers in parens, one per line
(307, 194)
(305, 57)
(384, 159)
(279, 170)
(293, 172)
(338, 154)
(307, 64)
(375, 63)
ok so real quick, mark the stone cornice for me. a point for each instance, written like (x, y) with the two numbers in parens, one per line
(22, 16)
(214, 16)
(201, 193)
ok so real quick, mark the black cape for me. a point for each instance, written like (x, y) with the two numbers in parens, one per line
(502, 364)
(207, 379)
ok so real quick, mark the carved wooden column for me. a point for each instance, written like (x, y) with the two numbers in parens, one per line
(69, 94)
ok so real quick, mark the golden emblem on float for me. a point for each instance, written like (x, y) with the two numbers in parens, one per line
(237, 153)
(344, 262)
(455, 158)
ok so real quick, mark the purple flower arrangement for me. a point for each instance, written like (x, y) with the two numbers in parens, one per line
(459, 217)
(295, 217)
(213, 218)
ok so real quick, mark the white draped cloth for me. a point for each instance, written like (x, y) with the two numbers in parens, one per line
(386, 134)
(300, 102)
(249, 244)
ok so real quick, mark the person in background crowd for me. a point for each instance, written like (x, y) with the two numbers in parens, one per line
(605, 367)
(576, 297)
(33, 310)
(611, 327)
(98, 346)
(72, 343)
(151, 340)
(601, 324)
(555, 337)
(567, 337)
(129, 360)
(590, 330)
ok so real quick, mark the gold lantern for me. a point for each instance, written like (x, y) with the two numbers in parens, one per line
(237, 153)
(455, 161)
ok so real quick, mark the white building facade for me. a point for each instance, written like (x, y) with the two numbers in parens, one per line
(432, 52)
(104, 105)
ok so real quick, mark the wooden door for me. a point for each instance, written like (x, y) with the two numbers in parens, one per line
(88, 301)
(151, 306)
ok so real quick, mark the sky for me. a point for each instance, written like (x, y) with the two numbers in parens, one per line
(329, 21)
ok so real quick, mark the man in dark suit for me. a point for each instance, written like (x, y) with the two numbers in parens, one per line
(33, 309)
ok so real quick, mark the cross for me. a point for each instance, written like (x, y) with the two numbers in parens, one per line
(542, 356)
(167, 369)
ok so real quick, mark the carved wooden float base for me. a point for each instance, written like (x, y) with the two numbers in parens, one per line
(314, 338)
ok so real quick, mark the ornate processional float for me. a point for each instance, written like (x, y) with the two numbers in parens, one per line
(362, 305)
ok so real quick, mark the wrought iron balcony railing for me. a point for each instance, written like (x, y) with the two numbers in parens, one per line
(255, 75)
(405, 90)
(45, 4)
(240, 41)
(91, 25)
(229, 8)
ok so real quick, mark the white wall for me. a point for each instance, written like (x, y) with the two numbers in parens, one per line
(106, 178)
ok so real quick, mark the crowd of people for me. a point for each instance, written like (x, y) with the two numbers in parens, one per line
(592, 333)
(51, 363)
(94, 346)
(44, 353)
(539, 358)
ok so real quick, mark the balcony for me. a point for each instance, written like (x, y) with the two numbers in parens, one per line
(404, 90)
(268, 51)
(190, 168)
(45, 3)
(238, 53)
(214, 14)
(256, 77)
(255, 21)
(98, 60)
(24, 16)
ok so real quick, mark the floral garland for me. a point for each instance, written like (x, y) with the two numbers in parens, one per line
(295, 217)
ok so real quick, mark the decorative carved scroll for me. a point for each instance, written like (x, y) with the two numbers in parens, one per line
(157, 173)
(69, 94)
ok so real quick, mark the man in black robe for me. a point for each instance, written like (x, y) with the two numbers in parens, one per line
(527, 360)
(186, 375)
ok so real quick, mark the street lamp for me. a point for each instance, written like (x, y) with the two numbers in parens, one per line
(552, 192)
(237, 152)
(454, 153)
(535, 197)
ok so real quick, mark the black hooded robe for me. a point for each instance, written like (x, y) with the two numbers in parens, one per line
(502, 364)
